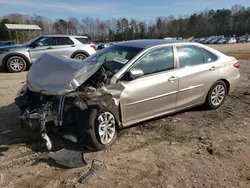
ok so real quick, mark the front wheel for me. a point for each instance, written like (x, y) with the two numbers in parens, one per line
(80, 56)
(98, 129)
(216, 95)
(16, 64)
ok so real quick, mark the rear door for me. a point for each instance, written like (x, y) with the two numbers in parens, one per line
(64, 47)
(198, 71)
(41, 46)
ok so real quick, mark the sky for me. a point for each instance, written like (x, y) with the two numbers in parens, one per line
(106, 9)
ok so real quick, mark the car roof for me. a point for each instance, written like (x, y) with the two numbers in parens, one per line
(148, 43)
(64, 36)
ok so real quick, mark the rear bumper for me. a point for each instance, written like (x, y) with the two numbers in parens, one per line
(233, 83)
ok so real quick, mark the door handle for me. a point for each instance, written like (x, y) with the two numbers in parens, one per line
(212, 68)
(49, 48)
(172, 78)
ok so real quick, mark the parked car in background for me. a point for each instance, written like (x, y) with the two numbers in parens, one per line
(213, 41)
(232, 40)
(102, 46)
(201, 40)
(7, 43)
(223, 41)
(208, 40)
(18, 58)
(242, 39)
(122, 85)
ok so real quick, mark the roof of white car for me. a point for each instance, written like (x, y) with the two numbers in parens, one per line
(65, 36)
(147, 43)
(22, 27)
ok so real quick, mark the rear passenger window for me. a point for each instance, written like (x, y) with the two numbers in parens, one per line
(84, 40)
(208, 56)
(189, 55)
(64, 41)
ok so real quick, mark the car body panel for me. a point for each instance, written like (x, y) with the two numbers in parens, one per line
(149, 95)
(35, 53)
(192, 90)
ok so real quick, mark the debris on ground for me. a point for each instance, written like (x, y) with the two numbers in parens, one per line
(177, 120)
(246, 93)
(71, 158)
(211, 148)
(95, 165)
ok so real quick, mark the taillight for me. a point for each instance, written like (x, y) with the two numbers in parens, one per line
(93, 46)
(237, 65)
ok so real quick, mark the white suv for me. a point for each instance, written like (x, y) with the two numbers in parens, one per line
(18, 58)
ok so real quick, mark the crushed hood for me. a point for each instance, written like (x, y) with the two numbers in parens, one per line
(52, 75)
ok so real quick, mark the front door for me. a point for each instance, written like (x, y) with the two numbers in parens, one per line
(155, 92)
(41, 46)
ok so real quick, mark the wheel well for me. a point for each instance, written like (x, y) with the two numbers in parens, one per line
(79, 52)
(227, 84)
(5, 60)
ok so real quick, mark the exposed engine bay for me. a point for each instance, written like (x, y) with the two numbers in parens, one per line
(47, 112)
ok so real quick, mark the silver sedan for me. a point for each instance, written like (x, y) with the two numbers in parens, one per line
(127, 83)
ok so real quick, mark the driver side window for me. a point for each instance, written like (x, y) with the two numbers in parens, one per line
(158, 60)
(45, 41)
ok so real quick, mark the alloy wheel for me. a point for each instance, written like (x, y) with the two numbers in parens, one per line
(218, 95)
(80, 57)
(106, 129)
(17, 64)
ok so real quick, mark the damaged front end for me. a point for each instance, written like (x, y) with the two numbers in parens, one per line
(57, 98)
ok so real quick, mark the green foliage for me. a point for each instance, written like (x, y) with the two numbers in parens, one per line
(3, 30)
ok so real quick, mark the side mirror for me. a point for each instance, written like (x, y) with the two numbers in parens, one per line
(135, 73)
(34, 45)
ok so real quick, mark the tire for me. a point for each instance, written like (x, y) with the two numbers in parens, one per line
(16, 64)
(79, 56)
(89, 129)
(216, 95)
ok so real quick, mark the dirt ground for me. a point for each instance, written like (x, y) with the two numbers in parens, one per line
(192, 149)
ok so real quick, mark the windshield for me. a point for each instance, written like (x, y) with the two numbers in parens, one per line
(114, 57)
(31, 41)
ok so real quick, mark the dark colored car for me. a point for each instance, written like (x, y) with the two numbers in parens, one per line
(242, 39)
(7, 43)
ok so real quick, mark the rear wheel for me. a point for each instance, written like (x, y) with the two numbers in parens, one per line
(16, 64)
(98, 129)
(80, 56)
(216, 95)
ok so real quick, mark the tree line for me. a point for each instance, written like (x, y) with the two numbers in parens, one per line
(205, 23)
